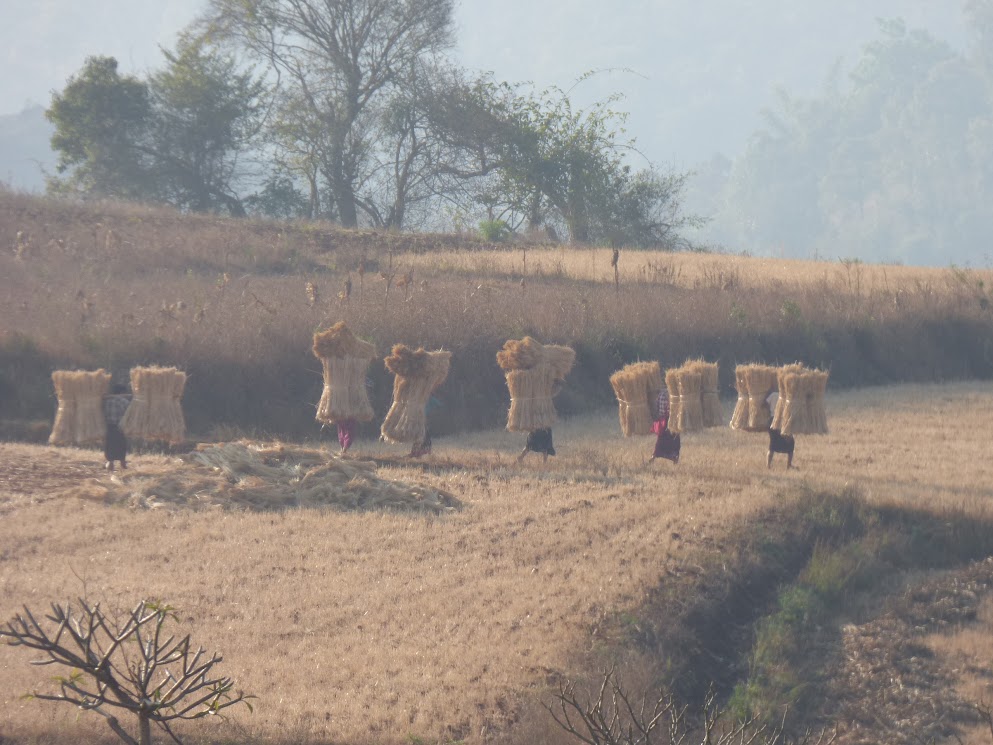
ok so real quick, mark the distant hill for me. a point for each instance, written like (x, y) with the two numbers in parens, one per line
(24, 149)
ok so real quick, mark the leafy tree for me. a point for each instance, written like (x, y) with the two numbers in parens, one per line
(101, 123)
(339, 59)
(207, 115)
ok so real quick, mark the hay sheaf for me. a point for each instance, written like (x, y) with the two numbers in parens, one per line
(804, 410)
(339, 341)
(263, 477)
(780, 410)
(637, 387)
(690, 416)
(527, 354)
(710, 397)
(344, 395)
(156, 411)
(79, 418)
(417, 375)
(759, 382)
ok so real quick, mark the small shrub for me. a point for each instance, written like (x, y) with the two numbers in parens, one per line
(494, 231)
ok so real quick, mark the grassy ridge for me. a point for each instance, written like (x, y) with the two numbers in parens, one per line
(115, 286)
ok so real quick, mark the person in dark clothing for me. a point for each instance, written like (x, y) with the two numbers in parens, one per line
(780, 443)
(115, 446)
(540, 440)
(667, 444)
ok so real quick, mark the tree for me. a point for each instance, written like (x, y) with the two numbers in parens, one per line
(338, 59)
(133, 666)
(207, 115)
(101, 123)
(176, 138)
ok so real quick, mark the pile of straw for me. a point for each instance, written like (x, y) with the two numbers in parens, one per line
(345, 360)
(532, 369)
(713, 415)
(79, 417)
(754, 383)
(418, 373)
(637, 387)
(803, 411)
(156, 411)
(264, 477)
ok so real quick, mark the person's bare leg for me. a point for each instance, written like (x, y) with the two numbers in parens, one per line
(521, 456)
(789, 461)
(768, 460)
(544, 457)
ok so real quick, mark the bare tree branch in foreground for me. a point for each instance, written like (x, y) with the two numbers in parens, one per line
(133, 666)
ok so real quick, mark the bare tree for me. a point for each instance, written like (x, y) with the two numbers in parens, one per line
(132, 666)
(611, 716)
(336, 57)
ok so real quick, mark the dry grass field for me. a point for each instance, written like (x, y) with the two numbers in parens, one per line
(389, 628)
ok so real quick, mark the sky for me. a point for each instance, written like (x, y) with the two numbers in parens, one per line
(694, 75)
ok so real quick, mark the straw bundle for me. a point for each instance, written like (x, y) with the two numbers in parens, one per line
(781, 373)
(637, 386)
(690, 417)
(79, 418)
(344, 395)
(675, 402)
(528, 353)
(710, 395)
(531, 369)
(339, 341)
(803, 411)
(759, 382)
(520, 355)
(156, 411)
(531, 404)
(417, 375)
(345, 360)
(739, 417)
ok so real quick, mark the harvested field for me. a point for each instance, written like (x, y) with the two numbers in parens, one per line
(381, 627)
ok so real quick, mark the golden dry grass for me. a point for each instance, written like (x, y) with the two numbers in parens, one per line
(377, 627)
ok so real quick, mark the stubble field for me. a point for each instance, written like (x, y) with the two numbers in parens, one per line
(388, 628)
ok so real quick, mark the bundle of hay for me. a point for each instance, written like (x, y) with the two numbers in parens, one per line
(531, 369)
(156, 410)
(739, 417)
(637, 387)
(710, 396)
(781, 373)
(755, 383)
(690, 416)
(345, 359)
(675, 402)
(79, 417)
(417, 373)
(803, 409)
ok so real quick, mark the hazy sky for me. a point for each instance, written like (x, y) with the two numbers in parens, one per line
(689, 63)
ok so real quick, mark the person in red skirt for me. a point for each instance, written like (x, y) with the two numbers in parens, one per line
(666, 443)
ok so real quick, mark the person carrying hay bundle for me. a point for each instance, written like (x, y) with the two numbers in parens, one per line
(667, 444)
(79, 417)
(418, 374)
(344, 400)
(535, 374)
(779, 442)
(800, 409)
(115, 446)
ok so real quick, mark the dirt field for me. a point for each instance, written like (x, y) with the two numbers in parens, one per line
(372, 627)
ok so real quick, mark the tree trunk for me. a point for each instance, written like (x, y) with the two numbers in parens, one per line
(144, 729)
